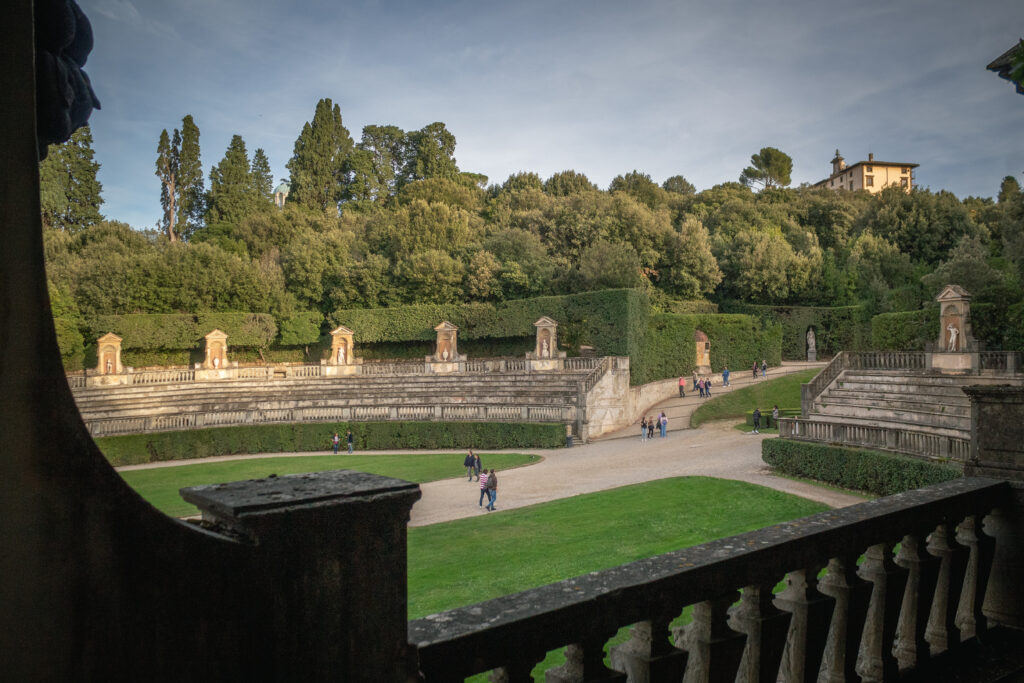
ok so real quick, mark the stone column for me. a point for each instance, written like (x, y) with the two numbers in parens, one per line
(997, 451)
(333, 561)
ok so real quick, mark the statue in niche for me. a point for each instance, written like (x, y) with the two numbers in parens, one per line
(544, 351)
(216, 362)
(953, 337)
(110, 366)
(341, 355)
(811, 342)
(444, 354)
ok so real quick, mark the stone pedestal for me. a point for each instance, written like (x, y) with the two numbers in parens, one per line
(812, 356)
(955, 363)
(446, 356)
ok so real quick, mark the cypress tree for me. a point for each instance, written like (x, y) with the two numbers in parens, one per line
(231, 195)
(262, 178)
(189, 186)
(317, 165)
(70, 193)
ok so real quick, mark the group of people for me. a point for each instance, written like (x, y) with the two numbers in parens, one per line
(336, 441)
(757, 419)
(702, 385)
(647, 425)
(488, 480)
(764, 369)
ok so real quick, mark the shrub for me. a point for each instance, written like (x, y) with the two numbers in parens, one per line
(854, 468)
(300, 329)
(148, 331)
(667, 351)
(252, 330)
(133, 449)
(905, 331)
(841, 328)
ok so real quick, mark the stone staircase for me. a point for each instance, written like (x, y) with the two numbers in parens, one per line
(547, 396)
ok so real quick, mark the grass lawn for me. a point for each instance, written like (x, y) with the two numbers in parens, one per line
(160, 485)
(783, 392)
(471, 560)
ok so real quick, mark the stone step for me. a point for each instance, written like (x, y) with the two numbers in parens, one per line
(894, 417)
(938, 391)
(959, 408)
(926, 379)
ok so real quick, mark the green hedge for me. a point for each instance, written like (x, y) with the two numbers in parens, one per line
(134, 449)
(854, 468)
(685, 306)
(842, 328)
(905, 331)
(300, 329)
(667, 350)
(148, 330)
(739, 340)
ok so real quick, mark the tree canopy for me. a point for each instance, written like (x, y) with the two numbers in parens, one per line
(768, 168)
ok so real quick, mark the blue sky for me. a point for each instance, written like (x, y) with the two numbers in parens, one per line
(598, 86)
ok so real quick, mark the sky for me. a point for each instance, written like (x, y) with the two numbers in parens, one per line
(599, 86)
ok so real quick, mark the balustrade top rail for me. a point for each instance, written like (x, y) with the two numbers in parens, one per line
(517, 630)
(916, 442)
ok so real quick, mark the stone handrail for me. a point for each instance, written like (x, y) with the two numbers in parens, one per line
(887, 360)
(1006, 361)
(884, 438)
(820, 382)
(843, 625)
(599, 371)
(162, 376)
(483, 412)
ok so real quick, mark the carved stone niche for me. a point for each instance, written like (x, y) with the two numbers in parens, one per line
(216, 357)
(957, 350)
(545, 355)
(342, 360)
(108, 355)
(446, 356)
(703, 348)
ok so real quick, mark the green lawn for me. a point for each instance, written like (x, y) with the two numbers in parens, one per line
(471, 560)
(783, 392)
(160, 485)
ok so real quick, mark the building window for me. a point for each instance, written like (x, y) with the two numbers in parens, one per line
(905, 170)
(869, 181)
(868, 169)
(904, 182)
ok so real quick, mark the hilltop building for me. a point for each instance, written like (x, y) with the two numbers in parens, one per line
(281, 194)
(868, 175)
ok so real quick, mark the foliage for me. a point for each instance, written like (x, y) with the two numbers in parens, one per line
(906, 331)
(565, 183)
(233, 193)
(857, 469)
(781, 391)
(318, 161)
(179, 169)
(769, 168)
(677, 184)
(147, 330)
(841, 328)
(737, 341)
(261, 177)
(667, 351)
(69, 192)
(428, 154)
(300, 328)
(204, 443)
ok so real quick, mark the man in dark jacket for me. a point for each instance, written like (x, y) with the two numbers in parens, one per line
(469, 464)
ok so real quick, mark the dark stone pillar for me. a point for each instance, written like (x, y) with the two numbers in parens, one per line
(997, 451)
(334, 558)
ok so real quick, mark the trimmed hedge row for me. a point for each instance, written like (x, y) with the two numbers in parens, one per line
(905, 331)
(133, 449)
(739, 340)
(841, 328)
(667, 350)
(183, 331)
(854, 468)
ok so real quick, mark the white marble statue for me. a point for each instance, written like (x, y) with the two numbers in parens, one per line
(216, 362)
(811, 345)
(110, 366)
(341, 355)
(444, 354)
(953, 337)
(544, 348)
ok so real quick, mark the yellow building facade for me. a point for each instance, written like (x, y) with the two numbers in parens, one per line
(869, 175)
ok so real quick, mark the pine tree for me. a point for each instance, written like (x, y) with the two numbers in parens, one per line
(317, 165)
(191, 193)
(232, 196)
(262, 178)
(428, 154)
(70, 193)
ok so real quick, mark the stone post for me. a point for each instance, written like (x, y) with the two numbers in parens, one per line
(333, 561)
(997, 451)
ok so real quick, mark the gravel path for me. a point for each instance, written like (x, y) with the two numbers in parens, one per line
(714, 450)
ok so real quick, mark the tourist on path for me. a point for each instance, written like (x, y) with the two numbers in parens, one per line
(492, 489)
(682, 387)
(469, 463)
(483, 487)
(476, 465)
(754, 368)
(643, 429)
(757, 421)
(350, 441)
(700, 387)
(695, 380)
(663, 424)
(725, 376)
(764, 369)
(650, 427)
(336, 442)
(707, 387)
(775, 416)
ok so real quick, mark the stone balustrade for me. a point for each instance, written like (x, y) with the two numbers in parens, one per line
(880, 437)
(869, 618)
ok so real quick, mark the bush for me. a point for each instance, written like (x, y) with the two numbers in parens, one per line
(905, 331)
(668, 349)
(149, 331)
(252, 330)
(854, 468)
(133, 449)
(300, 329)
(842, 328)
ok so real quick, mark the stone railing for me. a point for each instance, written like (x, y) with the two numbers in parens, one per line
(582, 363)
(895, 439)
(162, 376)
(1002, 361)
(380, 413)
(599, 370)
(816, 387)
(886, 360)
(926, 598)
(76, 381)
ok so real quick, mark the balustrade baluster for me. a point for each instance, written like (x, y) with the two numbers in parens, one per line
(852, 595)
(765, 627)
(969, 619)
(876, 661)
(942, 633)
(714, 649)
(811, 612)
(519, 671)
(649, 656)
(585, 662)
(923, 572)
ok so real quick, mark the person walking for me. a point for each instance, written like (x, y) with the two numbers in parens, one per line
(695, 380)
(351, 441)
(764, 369)
(775, 417)
(663, 424)
(725, 376)
(707, 387)
(643, 429)
(757, 421)
(469, 463)
(492, 490)
(754, 368)
(700, 387)
(336, 442)
(650, 427)
(682, 387)
(483, 488)
(476, 465)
